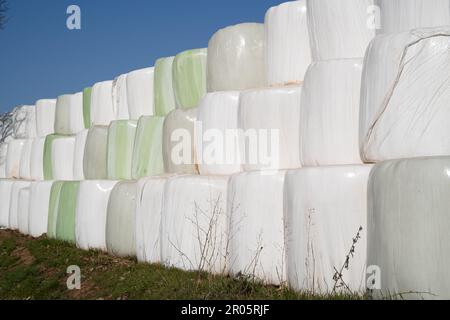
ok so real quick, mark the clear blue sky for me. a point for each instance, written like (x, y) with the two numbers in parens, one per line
(41, 58)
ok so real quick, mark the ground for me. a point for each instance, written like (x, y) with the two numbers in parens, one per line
(35, 269)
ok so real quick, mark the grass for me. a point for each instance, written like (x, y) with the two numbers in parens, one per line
(35, 269)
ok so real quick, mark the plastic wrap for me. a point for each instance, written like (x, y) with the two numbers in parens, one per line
(102, 109)
(14, 203)
(53, 208)
(3, 157)
(325, 208)
(37, 159)
(217, 147)
(329, 125)
(270, 119)
(45, 117)
(147, 153)
(87, 92)
(339, 29)
(91, 212)
(62, 156)
(24, 122)
(189, 77)
(69, 114)
(5, 198)
(78, 159)
(121, 220)
(194, 227)
(288, 54)
(140, 93)
(23, 213)
(48, 151)
(404, 15)
(39, 208)
(25, 160)
(179, 142)
(405, 94)
(255, 210)
(121, 136)
(163, 87)
(119, 97)
(65, 222)
(13, 157)
(236, 58)
(95, 154)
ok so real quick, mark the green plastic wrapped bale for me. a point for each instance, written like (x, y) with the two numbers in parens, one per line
(189, 77)
(121, 136)
(65, 223)
(148, 152)
(87, 107)
(95, 154)
(53, 209)
(163, 87)
(121, 220)
(48, 171)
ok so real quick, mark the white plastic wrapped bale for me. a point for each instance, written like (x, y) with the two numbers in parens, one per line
(62, 158)
(325, 212)
(24, 122)
(78, 160)
(408, 221)
(3, 157)
(140, 85)
(404, 15)
(163, 87)
(339, 29)
(119, 97)
(255, 210)
(149, 210)
(14, 203)
(13, 158)
(236, 58)
(270, 119)
(69, 114)
(102, 108)
(121, 220)
(194, 228)
(329, 126)
(217, 147)
(288, 53)
(25, 160)
(23, 213)
(37, 159)
(45, 117)
(179, 142)
(39, 208)
(95, 154)
(5, 198)
(405, 94)
(91, 213)
(121, 136)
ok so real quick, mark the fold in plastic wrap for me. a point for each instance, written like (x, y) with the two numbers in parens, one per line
(3, 157)
(37, 159)
(65, 222)
(25, 160)
(87, 93)
(53, 208)
(339, 29)
(163, 87)
(121, 220)
(404, 15)
(45, 117)
(288, 53)
(408, 221)
(189, 77)
(121, 136)
(95, 154)
(14, 203)
(179, 142)
(148, 152)
(194, 227)
(405, 94)
(119, 97)
(140, 94)
(329, 126)
(69, 114)
(24, 122)
(23, 212)
(91, 213)
(5, 198)
(102, 109)
(255, 210)
(13, 158)
(217, 148)
(325, 208)
(62, 156)
(270, 119)
(78, 156)
(236, 58)
(39, 208)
